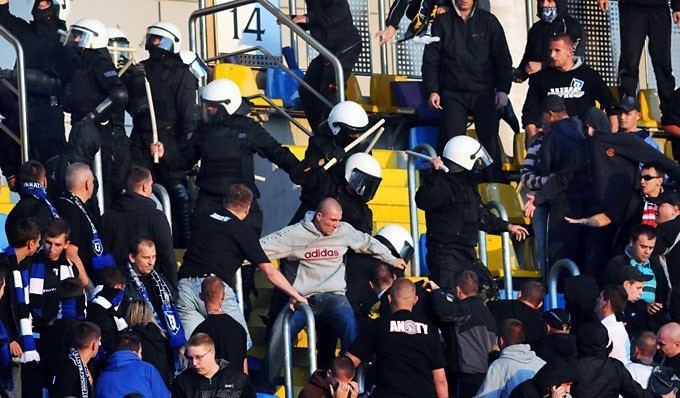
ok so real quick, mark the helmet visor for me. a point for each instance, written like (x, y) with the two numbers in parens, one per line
(213, 112)
(118, 55)
(364, 185)
(348, 129)
(481, 158)
(78, 37)
(406, 252)
(162, 42)
(198, 68)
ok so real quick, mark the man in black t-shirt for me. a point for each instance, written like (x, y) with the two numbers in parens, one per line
(228, 335)
(409, 357)
(220, 241)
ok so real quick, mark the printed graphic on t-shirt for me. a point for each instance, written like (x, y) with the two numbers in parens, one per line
(408, 327)
(575, 90)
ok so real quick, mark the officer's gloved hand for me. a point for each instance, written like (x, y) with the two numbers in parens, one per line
(140, 68)
(338, 153)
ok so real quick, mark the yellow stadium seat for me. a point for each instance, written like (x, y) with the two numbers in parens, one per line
(668, 149)
(615, 91)
(519, 149)
(353, 92)
(383, 98)
(244, 77)
(507, 195)
(650, 109)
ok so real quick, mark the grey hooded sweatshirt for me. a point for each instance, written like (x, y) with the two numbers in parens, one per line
(322, 266)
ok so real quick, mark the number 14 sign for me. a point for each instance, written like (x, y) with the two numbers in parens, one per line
(248, 26)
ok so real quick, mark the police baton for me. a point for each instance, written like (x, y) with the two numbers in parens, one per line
(375, 140)
(356, 142)
(428, 158)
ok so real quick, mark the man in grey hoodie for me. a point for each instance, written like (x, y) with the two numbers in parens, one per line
(319, 241)
(516, 364)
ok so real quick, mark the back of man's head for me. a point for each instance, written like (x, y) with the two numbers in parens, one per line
(212, 289)
(32, 171)
(238, 197)
(77, 174)
(69, 288)
(86, 333)
(512, 332)
(110, 277)
(136, 177)
(127, 342)
(617, 296)
(533, 292)
(645, 345)
(23, 231)
(342, 369)
(382, 277)
(403, 294)
(467, 281)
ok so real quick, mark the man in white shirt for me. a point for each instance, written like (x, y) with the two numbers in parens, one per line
(645, 349)
(612, 301)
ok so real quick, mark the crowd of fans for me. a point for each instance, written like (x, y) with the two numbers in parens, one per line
(94, 305)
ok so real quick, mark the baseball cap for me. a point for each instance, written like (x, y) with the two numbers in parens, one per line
(627, 104)
(553, 103)
(670, 197)
(558, 318)
(630, 273)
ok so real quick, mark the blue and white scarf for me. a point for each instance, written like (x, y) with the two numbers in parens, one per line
(38, 191)
(99, 260)
(21, 290)
(170, 321)
(83, 372)
(37, 282)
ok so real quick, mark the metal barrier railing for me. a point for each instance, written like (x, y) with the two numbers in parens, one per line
(381, 26)
(412, 208)
(21, 86)
(283, 18)
(288, 346)
(506, 244)
(163, 197)
(99, 175)
(555, 273)
(483, 255)
(361, 378)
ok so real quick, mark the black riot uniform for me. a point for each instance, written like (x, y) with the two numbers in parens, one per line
(329, 22)
(42, 51)
(174, 91)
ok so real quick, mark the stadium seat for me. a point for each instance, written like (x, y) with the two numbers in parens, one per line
(422, 135)
(3, 238)
(650, 109)
(244, 77)
(353, 92)
(282, 85)
(411, 94)
(519, 149)
(668, 149)
(505, 194)
(422, 245)
(383, 98)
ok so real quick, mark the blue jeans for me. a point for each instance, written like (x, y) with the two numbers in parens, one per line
(192, 311)
(333, 309)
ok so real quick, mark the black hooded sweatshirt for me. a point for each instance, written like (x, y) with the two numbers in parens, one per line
(552, 374)
(600, 376)
(541, 33)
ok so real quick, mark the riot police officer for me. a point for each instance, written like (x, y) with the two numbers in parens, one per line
(42, 51)
(174, 91)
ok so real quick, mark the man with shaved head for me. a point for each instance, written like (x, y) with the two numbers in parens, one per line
(403, 343)
(643, 362)
(668, 342)
(319, 242)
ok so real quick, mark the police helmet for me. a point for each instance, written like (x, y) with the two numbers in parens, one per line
(63, 8)
(165, 36)
(349, 116)
(222, 93)
(398, 240)
(465, 153)
(196, 65)
(87, 33)
(363, 174)
(118, 40)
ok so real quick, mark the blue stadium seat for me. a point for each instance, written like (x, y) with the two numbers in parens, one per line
(3, 237)
(282, 85)
(411, 94)
(422, 135)
(422, 245)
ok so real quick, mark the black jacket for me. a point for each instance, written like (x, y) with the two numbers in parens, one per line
(577, 97)
(156, 350)
(667, 232)
(28, 206)
(534, 326)
(330, 22)
(454, 212)
(646, 4)
(226, 152)
(541, 33)
(560, 140)
(612, 162)
(133, 216)
(552, 374)
(469, 332)
(471, 55)
(555, 346)
(228, 382)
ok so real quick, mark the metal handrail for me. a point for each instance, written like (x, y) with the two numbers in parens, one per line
(283, 18)
(412, 208)
(292, 9)
(483, 255)
(381, 27)
(204, 33)
(361, 378)
(21, 86)
(278, 63)
(554, 273)
(288, 346)
(99, 175)
(505, 247)
(163, 197)
(282, 112)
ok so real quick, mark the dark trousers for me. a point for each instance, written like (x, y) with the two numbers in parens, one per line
(444, 261)
(565, 240)
(481, 105)
(320, 76)
(464, 385)
(638, 23)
